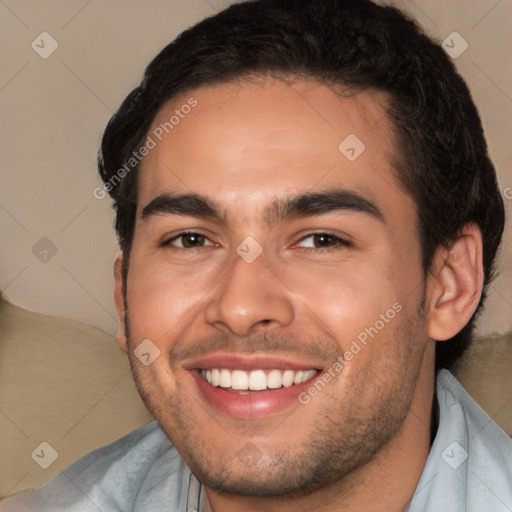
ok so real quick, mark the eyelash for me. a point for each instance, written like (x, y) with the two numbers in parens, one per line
(168, 242)
(340, 242)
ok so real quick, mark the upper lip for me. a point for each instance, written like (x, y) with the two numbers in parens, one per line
(250, 362)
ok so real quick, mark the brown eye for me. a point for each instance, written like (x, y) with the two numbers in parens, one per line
(322, 241)
(192, 240)
(188, 241)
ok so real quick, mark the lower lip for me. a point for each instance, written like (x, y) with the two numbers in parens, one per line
(252, 405)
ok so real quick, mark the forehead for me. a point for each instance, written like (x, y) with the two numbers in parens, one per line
(246, 142)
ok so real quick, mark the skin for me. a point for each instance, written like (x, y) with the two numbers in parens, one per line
(364, 438)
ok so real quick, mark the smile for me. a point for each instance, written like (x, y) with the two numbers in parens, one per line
(255, 380)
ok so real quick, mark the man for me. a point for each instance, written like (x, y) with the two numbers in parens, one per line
(308, 218)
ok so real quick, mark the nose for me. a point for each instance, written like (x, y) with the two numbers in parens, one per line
(249, 298)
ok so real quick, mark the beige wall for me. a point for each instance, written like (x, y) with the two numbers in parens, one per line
(53, 112)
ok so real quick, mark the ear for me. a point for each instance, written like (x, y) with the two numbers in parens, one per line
(119, 301)
(455, 284)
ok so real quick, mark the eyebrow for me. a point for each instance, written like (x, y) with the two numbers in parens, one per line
(304, 205)
(321, 203)
(193, 205)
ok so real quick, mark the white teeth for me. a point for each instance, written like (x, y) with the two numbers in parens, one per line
(256, 380)
(239, 380)
(288, 376)
(274, 379)
(308, 375)
(225, 379)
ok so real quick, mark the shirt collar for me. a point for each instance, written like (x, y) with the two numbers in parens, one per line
(197, 499)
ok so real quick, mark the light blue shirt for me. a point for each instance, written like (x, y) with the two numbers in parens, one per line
(469, 469)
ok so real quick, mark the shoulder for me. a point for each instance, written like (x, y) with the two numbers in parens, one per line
(142, 466)
(482, 433)
(470, 462)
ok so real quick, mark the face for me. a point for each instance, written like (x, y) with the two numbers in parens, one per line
(276, 269)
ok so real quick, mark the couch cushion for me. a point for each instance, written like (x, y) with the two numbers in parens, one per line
(64, 383)
(485, 370)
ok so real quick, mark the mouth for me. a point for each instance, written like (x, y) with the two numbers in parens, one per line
(255, 380)
(251, 388)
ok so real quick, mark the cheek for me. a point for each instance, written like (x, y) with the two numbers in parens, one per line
(363, 304)
(346, 297)
(163, 297)
(343, 299)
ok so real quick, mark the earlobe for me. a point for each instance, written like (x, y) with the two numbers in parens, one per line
(120, 302)
(456, 284)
